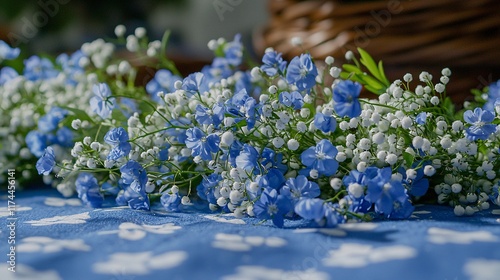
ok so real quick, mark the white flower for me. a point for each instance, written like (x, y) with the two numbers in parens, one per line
(459, 210)
(425, 77)
(435, 100)
(120, 30)
(329, 60)
(336, 183)
(335, 72)
(293, 144)
(296, 41)
(429, 170)
(227, 138)
(391, 159)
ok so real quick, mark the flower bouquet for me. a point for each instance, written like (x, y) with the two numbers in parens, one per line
(273, 140)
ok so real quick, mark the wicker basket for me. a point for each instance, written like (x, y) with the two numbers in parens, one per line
(408, 36)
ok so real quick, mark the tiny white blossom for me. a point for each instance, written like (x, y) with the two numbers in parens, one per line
(227, 138)
(336, 183)
(471, 197)
(391, 159)
(296, 41)
(278, 142)
(361, 167)
(329, 60)
(411, 174)
(341, 157)
(273, 89)
(469, 211)
(293, 144)
(349, 55)
(335, 72)
(457, 126)
(425, 77)
(434, 100)
(429, 170)
(120, 30)
(314, 173)
(407, 77)
(356, 190)
(456, 188)
(439, 88)
(76, 123)
(417, 142)
(459, 210)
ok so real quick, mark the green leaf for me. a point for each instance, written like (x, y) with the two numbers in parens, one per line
(352, 69)
(409, 158)
(79, 114)
(384, 80)
(370, 64)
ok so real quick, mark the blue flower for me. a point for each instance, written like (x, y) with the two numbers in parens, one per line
(293, 99)
(46, 163)
(36, 68)
(195, 83)
(206, 188)
(163, 81)
(325, 123)
(299, 187)
(102, 103)
(7, 74)
(493, 96)
(128, 106)
(135, 200)
(421, 118)
(273, 64)
(36, 142)
(8, 53)
(118, 139)
(310, 208)
(321, 158)
(385, 193)
(50, 121)
(116, 136)
(134, 175)
(345, 95)
(87, 188)
(234, 152)
(71, 66)
(302, 72)
(250, 110)
(402, 208)
(324, 214)
(233, 51)
(171, 202)
(273, 179)
(64, 137)
(419, 185)
(481, 127)
(272, 206)
(247, 159)
(200, 144)
(207, 116)
(245, 82)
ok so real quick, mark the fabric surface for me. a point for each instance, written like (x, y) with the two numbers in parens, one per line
(58, 238)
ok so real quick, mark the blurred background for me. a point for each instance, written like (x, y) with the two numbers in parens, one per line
(53, 26)
(409, 36)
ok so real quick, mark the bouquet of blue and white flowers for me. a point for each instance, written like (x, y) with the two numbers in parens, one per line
(283, 139)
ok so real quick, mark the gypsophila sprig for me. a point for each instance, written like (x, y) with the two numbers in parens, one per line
(275, 142)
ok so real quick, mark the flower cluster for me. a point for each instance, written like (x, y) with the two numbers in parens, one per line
(282, 140)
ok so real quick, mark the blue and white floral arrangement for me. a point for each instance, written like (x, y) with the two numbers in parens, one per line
(282, 140)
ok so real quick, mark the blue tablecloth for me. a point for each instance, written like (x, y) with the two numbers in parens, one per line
(58, 238)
